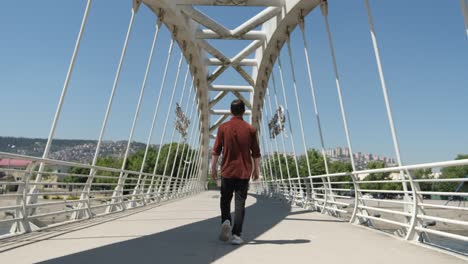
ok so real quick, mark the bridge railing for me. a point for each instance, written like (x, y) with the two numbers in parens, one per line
(32, 200)
(432, 210)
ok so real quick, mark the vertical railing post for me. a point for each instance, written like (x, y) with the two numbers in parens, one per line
(22, 211)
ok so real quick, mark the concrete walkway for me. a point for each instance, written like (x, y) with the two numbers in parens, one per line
(185, 231)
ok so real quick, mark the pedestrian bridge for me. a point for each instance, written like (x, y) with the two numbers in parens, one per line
(186, 231)
(157, 205)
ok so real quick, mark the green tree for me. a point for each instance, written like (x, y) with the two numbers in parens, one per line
(76, 179)
(317, 166)
(341, 166)
(422, 174)
(451, 173)
(108, 162)
(135, 160)
(375, 176)
(282, 163)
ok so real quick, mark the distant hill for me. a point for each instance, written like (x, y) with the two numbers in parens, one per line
(76, 150)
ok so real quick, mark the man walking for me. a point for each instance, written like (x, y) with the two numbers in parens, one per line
(237, 140)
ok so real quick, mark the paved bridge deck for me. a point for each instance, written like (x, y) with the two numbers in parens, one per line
(185, 231)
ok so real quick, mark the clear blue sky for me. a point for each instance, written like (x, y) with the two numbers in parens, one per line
(423, 45)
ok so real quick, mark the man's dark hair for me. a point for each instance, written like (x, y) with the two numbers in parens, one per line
(237, 107)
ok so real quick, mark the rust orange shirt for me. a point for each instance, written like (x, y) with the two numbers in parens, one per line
(237, 140)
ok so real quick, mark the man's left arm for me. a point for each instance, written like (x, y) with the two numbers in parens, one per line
(214, 167)
(216, 151)
(256, 170)
(255, 149)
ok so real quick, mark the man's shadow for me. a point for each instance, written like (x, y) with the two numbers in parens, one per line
(194, 243)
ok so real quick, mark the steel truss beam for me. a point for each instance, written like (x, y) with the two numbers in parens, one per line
(230, 2)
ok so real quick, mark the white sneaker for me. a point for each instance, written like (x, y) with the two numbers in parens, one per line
(236, 240)
(225, 231)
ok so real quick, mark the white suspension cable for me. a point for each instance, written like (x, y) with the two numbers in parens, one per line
(298, 105)
(179, 141)
(197, 162)
(265, 165)
(187, 166)
(283, 141)
(281, 134)
(137, 112)
(317, 115)
(114, 88)
(192, 107)
(314, 98)
(150, 134)
(193, 163)
(33, 198)
(267, 162)
(172, 137)
(109, 105)
(273, 171)
(156, 110)
(198, 170)
(276, 138)
(301, 122)
(324, 9)
(287, 109)
(338, 86)
(414, 188)
(64, 92)
(384, 90)
(261, 137)
(196, 186)
(167, 120)
(189, 152)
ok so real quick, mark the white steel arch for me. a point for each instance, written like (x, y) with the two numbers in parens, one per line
(276, 20)
(267, 32)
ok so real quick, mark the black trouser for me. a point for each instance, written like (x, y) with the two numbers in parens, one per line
(240, 188)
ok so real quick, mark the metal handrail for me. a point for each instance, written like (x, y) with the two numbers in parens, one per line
(379, 213)
(131, 194)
